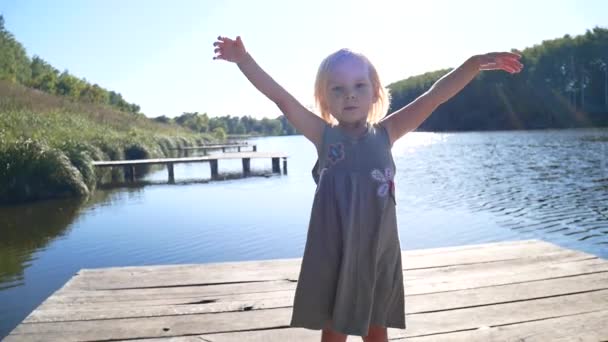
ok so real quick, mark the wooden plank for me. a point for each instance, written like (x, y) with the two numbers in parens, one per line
(203, 324)
(214, 274)
(565, 328)
(479, 280)
(92, 308)
(235, 155)
(520, 245)
(156, 293)
(413, 288)
(150, 326)
(412, 259)
(277, 334)
(590, 327)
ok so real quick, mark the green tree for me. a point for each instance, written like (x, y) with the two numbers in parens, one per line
(163, 119)
(219, 133)
(94, 94)
(44, 76)
(14, 63)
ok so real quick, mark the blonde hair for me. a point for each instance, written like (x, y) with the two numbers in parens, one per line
(380, 105)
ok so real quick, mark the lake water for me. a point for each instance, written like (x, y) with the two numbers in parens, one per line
(452, 189)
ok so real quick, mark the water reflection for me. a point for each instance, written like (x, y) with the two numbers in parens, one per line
(26, 229)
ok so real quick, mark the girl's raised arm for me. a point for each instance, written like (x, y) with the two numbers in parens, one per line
(308, 123)
(411, 116)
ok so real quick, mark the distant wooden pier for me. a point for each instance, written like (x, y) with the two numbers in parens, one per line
(212, 160)
(508, 291)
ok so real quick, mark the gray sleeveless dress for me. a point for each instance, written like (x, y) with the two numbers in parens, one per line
(351, 270)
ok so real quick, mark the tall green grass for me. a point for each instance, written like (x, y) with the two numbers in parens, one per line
(47, 143)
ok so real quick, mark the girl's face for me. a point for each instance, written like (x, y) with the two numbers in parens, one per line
(349, 91)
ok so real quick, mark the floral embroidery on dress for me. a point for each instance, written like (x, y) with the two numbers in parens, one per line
(335, 153)
(385, 178)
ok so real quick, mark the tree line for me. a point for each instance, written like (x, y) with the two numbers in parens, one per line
(564, 84)
(17, 67)
(218, 125)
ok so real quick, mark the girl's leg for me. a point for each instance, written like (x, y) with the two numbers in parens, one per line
(328, 335)
(376, 333)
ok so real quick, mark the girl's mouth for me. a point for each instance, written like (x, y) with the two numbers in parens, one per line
(350, 108)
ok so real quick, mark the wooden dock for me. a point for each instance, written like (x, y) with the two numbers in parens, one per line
(212, 160)
(509, 291)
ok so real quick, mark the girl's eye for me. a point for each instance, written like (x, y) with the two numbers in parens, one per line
(361, 85)
(337, 89)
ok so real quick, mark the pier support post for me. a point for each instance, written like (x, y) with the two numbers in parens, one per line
(255, 148)
(246, 166)
(238, 148)
(213, 164)
(284, 165)
(276, 166)
(171, 175)
(130, 173)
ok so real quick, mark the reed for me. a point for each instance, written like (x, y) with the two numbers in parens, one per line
(47, 143)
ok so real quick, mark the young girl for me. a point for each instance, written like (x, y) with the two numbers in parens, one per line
(351, 279)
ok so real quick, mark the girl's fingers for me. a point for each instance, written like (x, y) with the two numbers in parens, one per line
(507, 61)
(509, 55)
(515, 65)
(223, 39)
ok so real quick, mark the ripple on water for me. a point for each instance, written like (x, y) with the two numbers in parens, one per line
(552, 183)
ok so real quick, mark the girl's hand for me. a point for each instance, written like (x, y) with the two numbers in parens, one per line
(230, 50)
(507, 61)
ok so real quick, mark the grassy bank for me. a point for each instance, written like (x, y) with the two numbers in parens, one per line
(47, 143)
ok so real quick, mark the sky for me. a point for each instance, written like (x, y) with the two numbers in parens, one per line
(158, 54)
